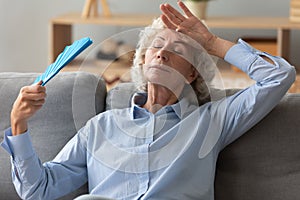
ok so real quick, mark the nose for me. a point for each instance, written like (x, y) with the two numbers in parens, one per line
(162, 54)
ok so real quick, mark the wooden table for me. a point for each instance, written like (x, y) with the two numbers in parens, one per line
(61, 27)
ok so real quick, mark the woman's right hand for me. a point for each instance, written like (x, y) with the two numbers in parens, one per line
(29, 101)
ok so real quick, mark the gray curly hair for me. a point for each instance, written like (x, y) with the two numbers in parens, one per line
(203, 65)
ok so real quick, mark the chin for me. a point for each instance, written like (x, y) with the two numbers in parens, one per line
(167, 83)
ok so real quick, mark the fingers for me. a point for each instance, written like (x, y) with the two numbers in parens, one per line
(39, 83)
(34, 88)
(167, 23)
(185, 9)
(172, 15)
(37, 103)
(33, 95)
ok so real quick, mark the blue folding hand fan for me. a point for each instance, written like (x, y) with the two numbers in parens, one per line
(69, 53)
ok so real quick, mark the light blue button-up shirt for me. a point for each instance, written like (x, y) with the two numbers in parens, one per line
(134, 154)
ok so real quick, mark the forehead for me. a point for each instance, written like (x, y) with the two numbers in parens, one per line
(169, 34)
(177, 37)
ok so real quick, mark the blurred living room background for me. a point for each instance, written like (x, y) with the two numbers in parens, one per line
(25, 26)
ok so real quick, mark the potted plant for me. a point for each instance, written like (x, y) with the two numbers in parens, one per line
(197, 7)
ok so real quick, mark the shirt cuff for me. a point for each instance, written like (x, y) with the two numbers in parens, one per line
(242, 55)
(19, 147)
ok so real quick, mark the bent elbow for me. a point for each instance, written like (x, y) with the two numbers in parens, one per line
(290, 75)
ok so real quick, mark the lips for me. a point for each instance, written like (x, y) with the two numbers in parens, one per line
(159, 67)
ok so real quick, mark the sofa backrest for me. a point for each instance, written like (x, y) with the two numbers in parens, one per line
(265, 162)
(72, 99)
(262, 164)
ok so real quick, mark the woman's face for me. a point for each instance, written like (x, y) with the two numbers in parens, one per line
(167, 60)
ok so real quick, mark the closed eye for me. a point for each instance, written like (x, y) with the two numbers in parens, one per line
(157, 43)
(178, 51)
(157, 47)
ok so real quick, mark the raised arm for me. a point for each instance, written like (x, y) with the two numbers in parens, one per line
(234, 115)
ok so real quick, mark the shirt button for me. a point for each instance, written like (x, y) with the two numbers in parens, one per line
(168, 109)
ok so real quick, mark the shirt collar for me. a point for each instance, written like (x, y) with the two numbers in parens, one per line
(182, 108)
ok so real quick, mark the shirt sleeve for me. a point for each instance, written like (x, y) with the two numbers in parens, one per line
(247, 107)
(50, 180)
(19, 147)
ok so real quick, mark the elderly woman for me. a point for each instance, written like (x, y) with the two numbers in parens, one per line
(165, 146)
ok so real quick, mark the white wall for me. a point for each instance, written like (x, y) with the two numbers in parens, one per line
(24, 27)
